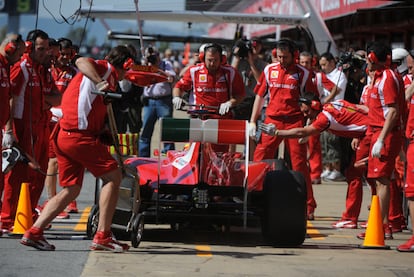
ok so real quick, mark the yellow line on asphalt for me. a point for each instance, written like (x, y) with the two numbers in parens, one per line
(81, 226)
(314, 233)
(203, 251)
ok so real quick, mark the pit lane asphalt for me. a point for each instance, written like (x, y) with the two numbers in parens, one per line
(325, 252)
(164, 252)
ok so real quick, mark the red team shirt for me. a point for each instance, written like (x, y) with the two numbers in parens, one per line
(284, 88)
(342, 118)
(323, 84)
(384, 91)
(26, 84)
(62, 77)
(83, 110)
(409, 131)
(212, 90)
(4, 91)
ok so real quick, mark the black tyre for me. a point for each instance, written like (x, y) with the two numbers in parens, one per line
(93, 220)
(284, 217)
(137, 230)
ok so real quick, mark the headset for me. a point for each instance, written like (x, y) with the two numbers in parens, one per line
(128, 64)
(215, 46)
(287, 43)
(66, 43)
(314, 104)
(12, 45)
(374, 59)
(378, 52)
(31, 38)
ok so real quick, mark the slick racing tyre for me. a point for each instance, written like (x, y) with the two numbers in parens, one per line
(284, 217)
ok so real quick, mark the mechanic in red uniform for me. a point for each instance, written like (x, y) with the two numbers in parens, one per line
(78, 146)
(11, 50)
(344, 119)
(27, 105)
(408, 246)
(285, 81)
(62, 73)
(212, 83)
(49, 91)
(314, 142)
(385, 99)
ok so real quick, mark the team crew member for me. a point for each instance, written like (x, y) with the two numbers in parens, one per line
(211, 83)
(11, 50)
(52, 97)
(408, 246)
(284, 81)
(62, 73)
(314, 142)
(343, 119)
(27, 106)
(385, 96)
(77, 147)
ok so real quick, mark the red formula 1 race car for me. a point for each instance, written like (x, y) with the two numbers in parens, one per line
(209, 182)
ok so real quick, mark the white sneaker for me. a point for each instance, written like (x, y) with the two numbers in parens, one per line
(325, 173)
(335, 175)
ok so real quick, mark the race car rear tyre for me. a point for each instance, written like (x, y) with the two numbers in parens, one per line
(284, 217)
(93, 220)
(137, 230)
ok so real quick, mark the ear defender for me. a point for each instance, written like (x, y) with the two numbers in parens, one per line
(274, 52)
(10, 47)
(315, 105)
(296, 54)
(388, 60)
(128, 64)
(373, 57)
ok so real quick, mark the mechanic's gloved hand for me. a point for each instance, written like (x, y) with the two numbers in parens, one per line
(177, 102)
(102, 85)
(269, 128)
(224, 107)
(8, 139)
(376, 149)
(252, 129)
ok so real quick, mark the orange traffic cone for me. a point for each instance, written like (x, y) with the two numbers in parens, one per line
(374, 235)
(23, 220)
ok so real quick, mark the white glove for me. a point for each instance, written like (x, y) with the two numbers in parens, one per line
(252, 129)
(224, 108)
(376, 149)
(102, 85)
(177, 102)
(8, 139)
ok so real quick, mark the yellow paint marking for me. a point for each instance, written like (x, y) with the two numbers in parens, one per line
(314, 233)
(81, 226)
(203, 251)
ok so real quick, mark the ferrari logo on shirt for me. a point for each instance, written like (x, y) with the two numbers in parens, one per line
(274, 74)
(202, 78)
